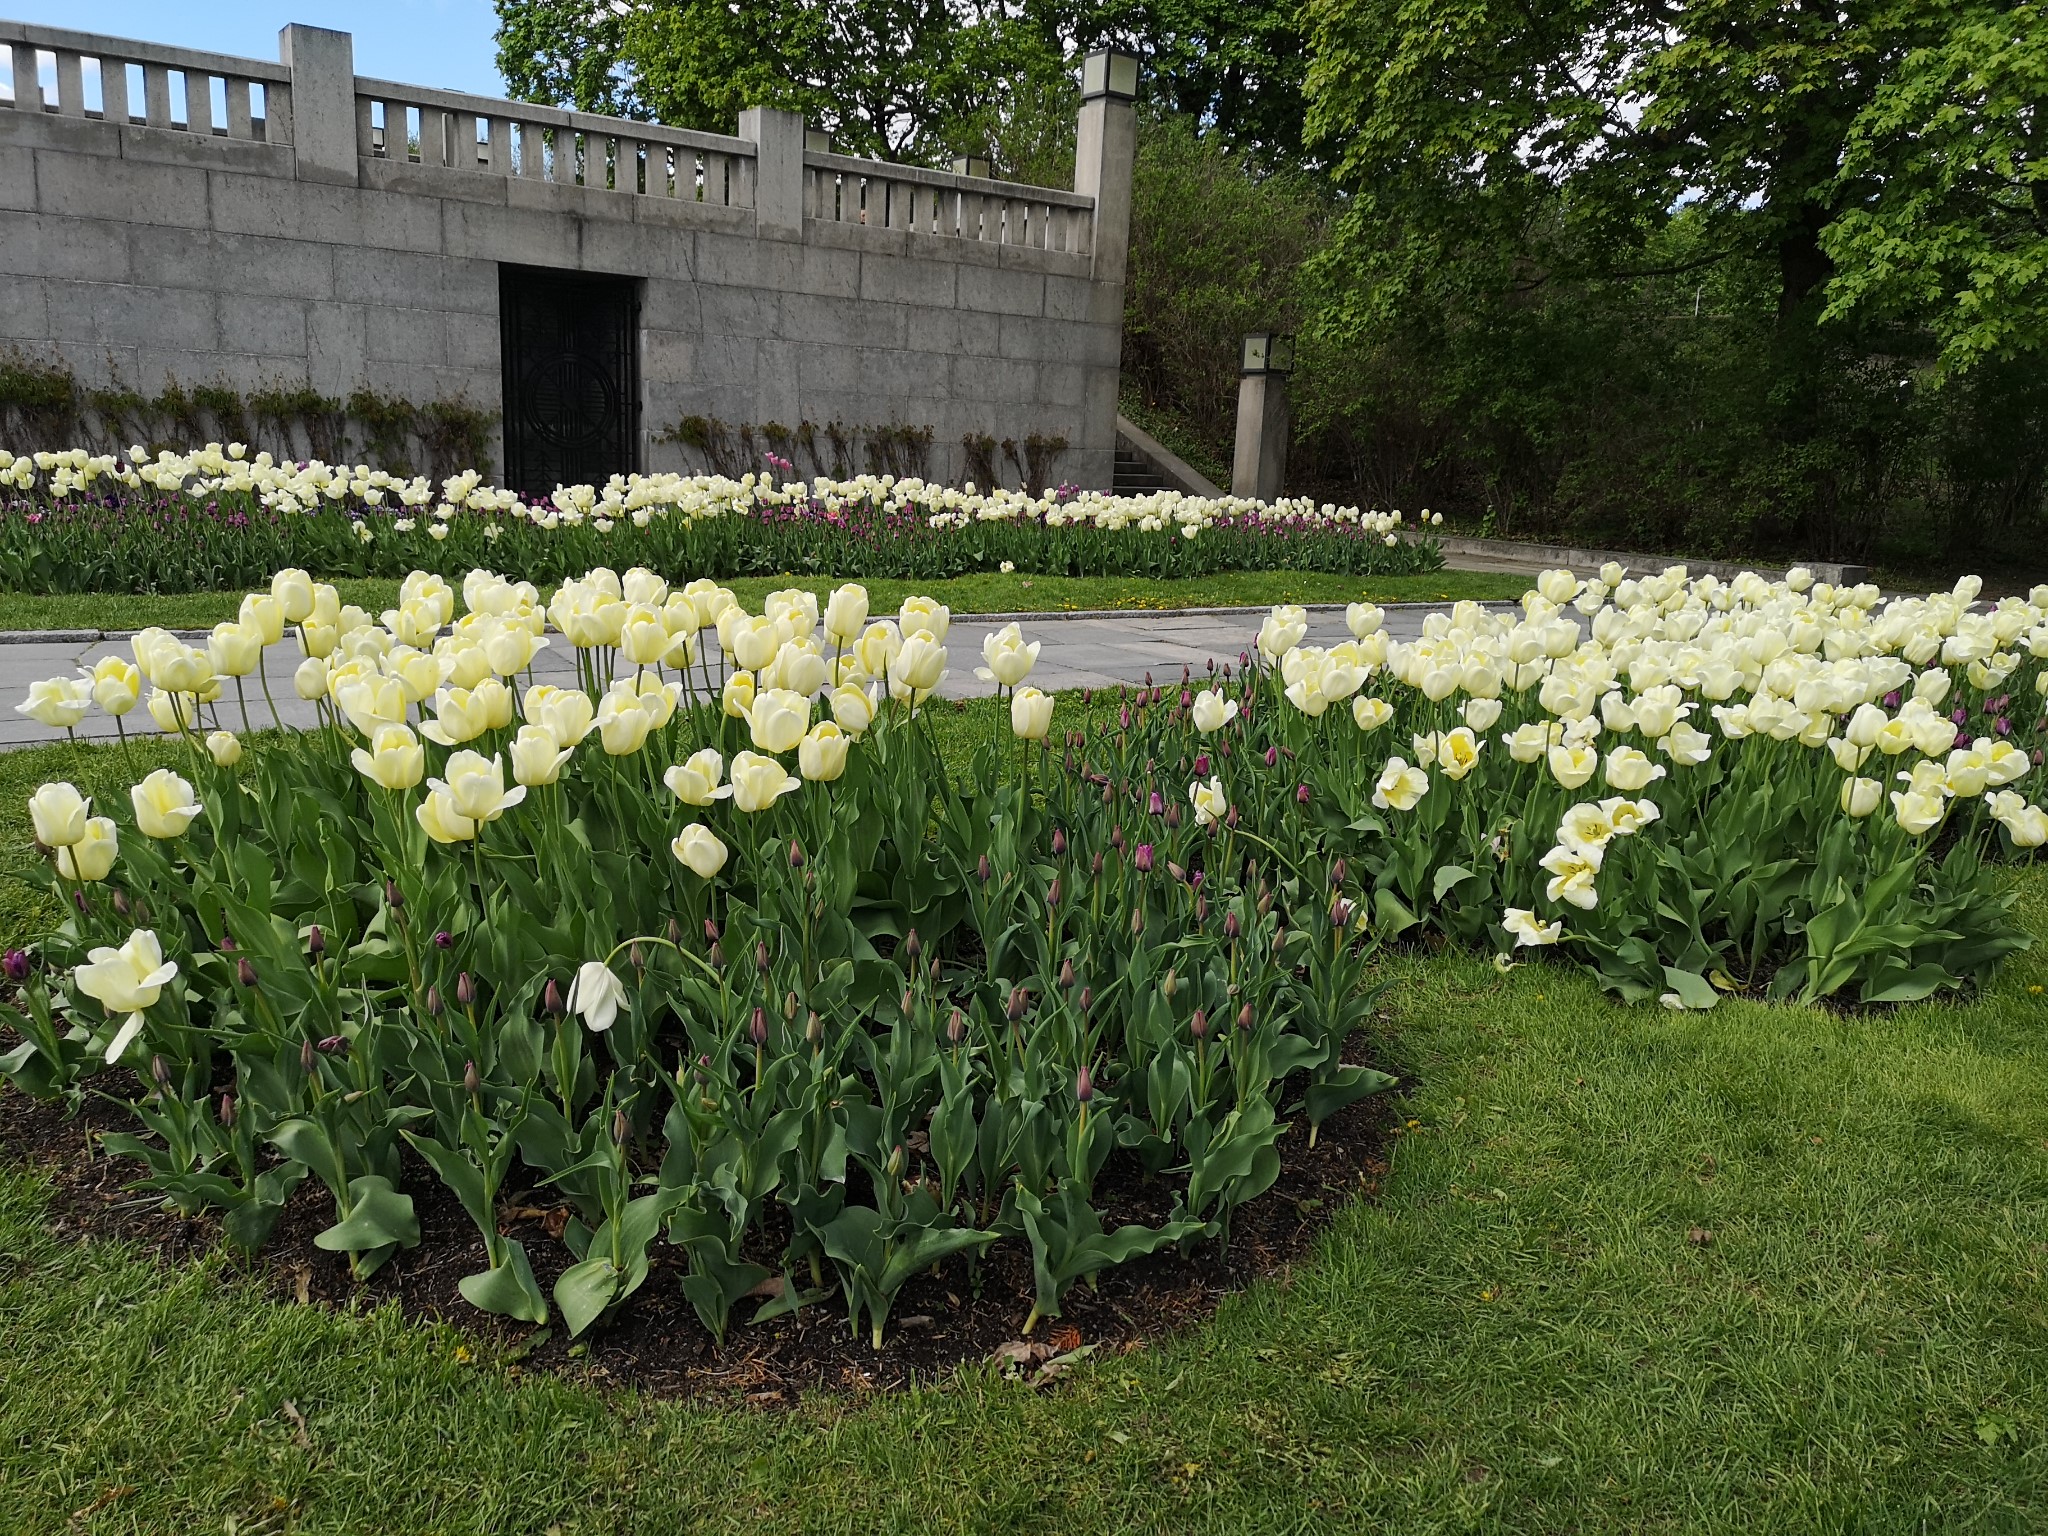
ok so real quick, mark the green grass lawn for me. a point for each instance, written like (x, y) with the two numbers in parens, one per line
(1758, 1270)
(985, 593)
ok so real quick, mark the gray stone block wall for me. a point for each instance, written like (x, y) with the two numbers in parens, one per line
(145, 255)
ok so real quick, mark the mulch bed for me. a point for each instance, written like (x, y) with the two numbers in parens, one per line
(655, 1343)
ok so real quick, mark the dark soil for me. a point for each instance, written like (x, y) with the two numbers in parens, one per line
(655, 1343)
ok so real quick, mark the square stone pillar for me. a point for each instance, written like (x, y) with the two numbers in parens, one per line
(323, 66)
(1105, 152)
(1259, 467)
(778, 140)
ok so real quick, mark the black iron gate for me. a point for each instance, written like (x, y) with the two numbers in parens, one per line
(572, 377)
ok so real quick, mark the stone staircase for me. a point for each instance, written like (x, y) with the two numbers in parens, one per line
(1135, 474)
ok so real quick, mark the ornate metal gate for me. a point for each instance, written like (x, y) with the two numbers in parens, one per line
(572, 377)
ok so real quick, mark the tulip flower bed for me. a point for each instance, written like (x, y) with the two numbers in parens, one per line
(894, 1018)
(658, 976)
(215, 519)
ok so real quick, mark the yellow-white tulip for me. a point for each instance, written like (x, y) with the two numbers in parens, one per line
(1527, 931)
(1371, 713)
(1571, 766)
(758, 782)
(918, 668)
(695, 781)
(846, 614)
(92, 856)
(1399, 788)
(1030, 714)
(57, 702)
(262, 612)
(58, 813)
(441, 821)
(853, 711)
(225, 748)
(1007, 659)
(164, 805)
(565, 713)
(922, 616)
(395, 759)
(293, 590)
(738, 695)
(126, 980)
(821, 755)
(173, 712)
(537, 758)
(235, 649)
(699, 849)
(1457, 752)
(1860, 797)
(754, 641)
(116, 685)
(459, 716)
(309, 680)
(475, 786)
(778, 719)
(1629, 770)
(1918, 812)
(1212, 710)
(623, 724)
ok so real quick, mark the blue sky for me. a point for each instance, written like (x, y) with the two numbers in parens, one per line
(445, 43)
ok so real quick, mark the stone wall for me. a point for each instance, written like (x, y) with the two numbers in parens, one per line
(303, 241)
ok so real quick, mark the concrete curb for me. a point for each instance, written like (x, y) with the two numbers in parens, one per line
(95, 636)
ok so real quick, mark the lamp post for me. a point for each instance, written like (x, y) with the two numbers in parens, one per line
(972, 165)
(1259, 467)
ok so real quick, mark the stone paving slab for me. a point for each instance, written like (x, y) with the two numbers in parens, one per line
(1079, 651)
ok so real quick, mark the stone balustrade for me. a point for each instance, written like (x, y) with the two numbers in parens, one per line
(421, 127)
(847, 190)
(134, 84)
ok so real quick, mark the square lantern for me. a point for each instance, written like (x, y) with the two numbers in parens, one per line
(1109, 72)
(972, 165)
(1267, 352)
(817, 142)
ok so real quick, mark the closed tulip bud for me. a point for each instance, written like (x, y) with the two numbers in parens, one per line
(434, 1003)
(443, 939)
(956, 1027)
(1198, 1026)
(1084, 1085)
(1244, 1017)
(1201, 907)
(472, 1083)
(1231, 926)
(1175, 870)
(1052, 894)
(1272, 756)
(898, 1160)
(306, 1057)
(1301, 794)
(245, 973)
(1202, 765)
(1137, 921)
(1141, 861)
(1019, 1001)
(710, 931)
(161, 1071)
(1156, 803)
(1170, 985)
(16, 963)
(316, 942)
(393, 896)
(1095, 865)
(909, 1003)
(789, 1007)
(1172, 817)
(637, 958)
(1087, 1001)
(120, 900)
(1340, 912)
(1265, 900)
(912, 947)
(796, 854)
(465, 990)
(1059, 842)
(551, 999)
(1116, 838)
(1067, 975)
(622, 1128)
(227, 942)
(1229, 819)
(1336, 874)
(227, 1110)
(757, 1029)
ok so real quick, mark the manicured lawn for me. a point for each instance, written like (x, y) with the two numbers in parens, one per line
(987, 593)
(1753, 1270)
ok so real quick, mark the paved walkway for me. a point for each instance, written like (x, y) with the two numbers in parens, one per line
(1080, 651)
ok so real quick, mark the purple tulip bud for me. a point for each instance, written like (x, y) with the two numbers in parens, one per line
(434, 1003)
(1084, 1085)
(1116, 838)
(1202, 766)
(675, 933)
(1123, 717)
(1272, 756)
(471, 1081)
(1142, 859)
(1231, 926)
(245, 973)
(956, 1027)
(1244, 1017)
(717, 956)
(622, 1128)
(1059, 842)
(1172, 816)
(1020, 1000)
(1198, 1026)
(1052, 894)
(1301, 794)
(982, 870)
(227, 942)
(796, 854)
(1067, 975)
(757, 1030)
(911, 947)
(393, 896)
(1175, 870)
(465, 990)
(1230, 818)
(814, 1028)
(120, 900)
(316, 942)
(227, 1110)
(16, 963)
(551, 999)
(306, 1057)
(1892, 699)
(1201, 904)
(335, 1045)
(710, 931)
(78, 900)
(160, 1070)
(2002, 726)
(443, 939)
(1137, 921)
(1340, 912)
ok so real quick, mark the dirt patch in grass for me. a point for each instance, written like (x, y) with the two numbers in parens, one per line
(655, 1343)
